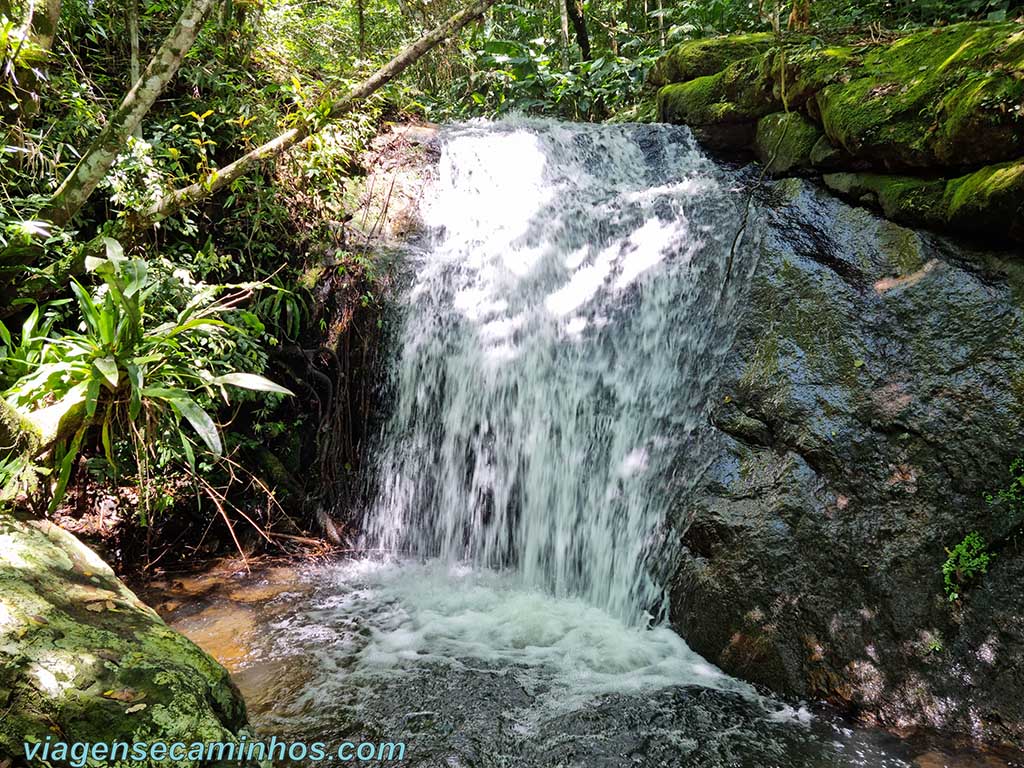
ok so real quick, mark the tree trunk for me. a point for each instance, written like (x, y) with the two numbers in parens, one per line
(361, 18)
(44, 24)
(574, 9)
(92, 168)
(223, 177)
(661, 23)
(565, 33)
(134, 66)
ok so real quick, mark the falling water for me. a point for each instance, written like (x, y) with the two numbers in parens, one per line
(554, 364)
(551, 380)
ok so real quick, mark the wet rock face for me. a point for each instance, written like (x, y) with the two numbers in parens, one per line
(82, 659)
(873, 395)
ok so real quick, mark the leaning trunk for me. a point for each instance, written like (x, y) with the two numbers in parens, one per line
(190, 195)
(92, 168)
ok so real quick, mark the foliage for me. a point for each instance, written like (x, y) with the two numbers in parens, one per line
(1013, 495)
(136, 375)
(965, 561)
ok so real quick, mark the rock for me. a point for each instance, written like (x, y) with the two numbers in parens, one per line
(708, 56)
(989, 200)
(935, 118)
(784, 141)
(825, 156)
(722, 109)
(18, 435)
(873, 394)
(82, 659)
(948, 97)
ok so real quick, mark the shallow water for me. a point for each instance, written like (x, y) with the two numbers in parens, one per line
(472, 668)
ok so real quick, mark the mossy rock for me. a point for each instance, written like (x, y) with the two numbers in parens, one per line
(722, 109)
(18, 435)
(691, 59)
(801, 68)
(82, 659)
(947, 97)
(989, 201)
(784, 141)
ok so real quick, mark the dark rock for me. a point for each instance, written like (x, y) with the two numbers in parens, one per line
(872, 396)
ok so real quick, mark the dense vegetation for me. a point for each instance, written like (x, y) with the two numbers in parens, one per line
(153, 340)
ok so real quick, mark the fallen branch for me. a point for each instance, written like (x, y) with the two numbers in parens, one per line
(194, 193)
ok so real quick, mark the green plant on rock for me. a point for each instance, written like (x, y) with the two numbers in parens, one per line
(964, 562)
(134, 375)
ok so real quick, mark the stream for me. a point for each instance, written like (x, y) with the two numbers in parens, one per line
(565, 316)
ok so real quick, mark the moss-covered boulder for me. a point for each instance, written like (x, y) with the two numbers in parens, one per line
(948, 97)
(721, 109)
(18, 435)
(82, 659)
(696, 58)
(784, 141)
(942, 109)
(990, 199)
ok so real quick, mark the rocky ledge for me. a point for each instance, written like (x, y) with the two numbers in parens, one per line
(873, 394)
(83, 660)
(927, 126)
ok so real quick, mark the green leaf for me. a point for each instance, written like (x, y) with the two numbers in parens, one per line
(115, 252)
(136, 381)
(164, 393)
(92, 397)
(66, 463)
(200, 421)
(253, 382)
(107, 366)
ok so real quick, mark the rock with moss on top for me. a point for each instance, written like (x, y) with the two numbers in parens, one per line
(82, 659)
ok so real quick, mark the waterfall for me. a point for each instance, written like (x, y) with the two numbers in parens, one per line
(558, 344)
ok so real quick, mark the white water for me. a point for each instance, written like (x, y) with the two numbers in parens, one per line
(551, 382)
(550, 390)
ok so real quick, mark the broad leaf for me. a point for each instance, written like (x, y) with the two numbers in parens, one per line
(200, 421)
(253, 382)
(107, 366)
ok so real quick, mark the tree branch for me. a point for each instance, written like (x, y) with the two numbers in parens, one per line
(192, 194)
(92, 168)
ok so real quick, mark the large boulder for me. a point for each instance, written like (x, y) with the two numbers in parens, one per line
(941, 108)
(873, 395)
(83, 660)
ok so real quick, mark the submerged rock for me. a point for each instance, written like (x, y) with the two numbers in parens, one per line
(82, 659)
(874, 393)
(943, 102)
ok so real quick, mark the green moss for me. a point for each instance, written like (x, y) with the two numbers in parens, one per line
(81, 654)
(800, 71)
(902, 198)
(698, 58)
(18, 435)
(784, 141)
(990, 198)
(903, 247)
(740, 94)
(944, 96)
